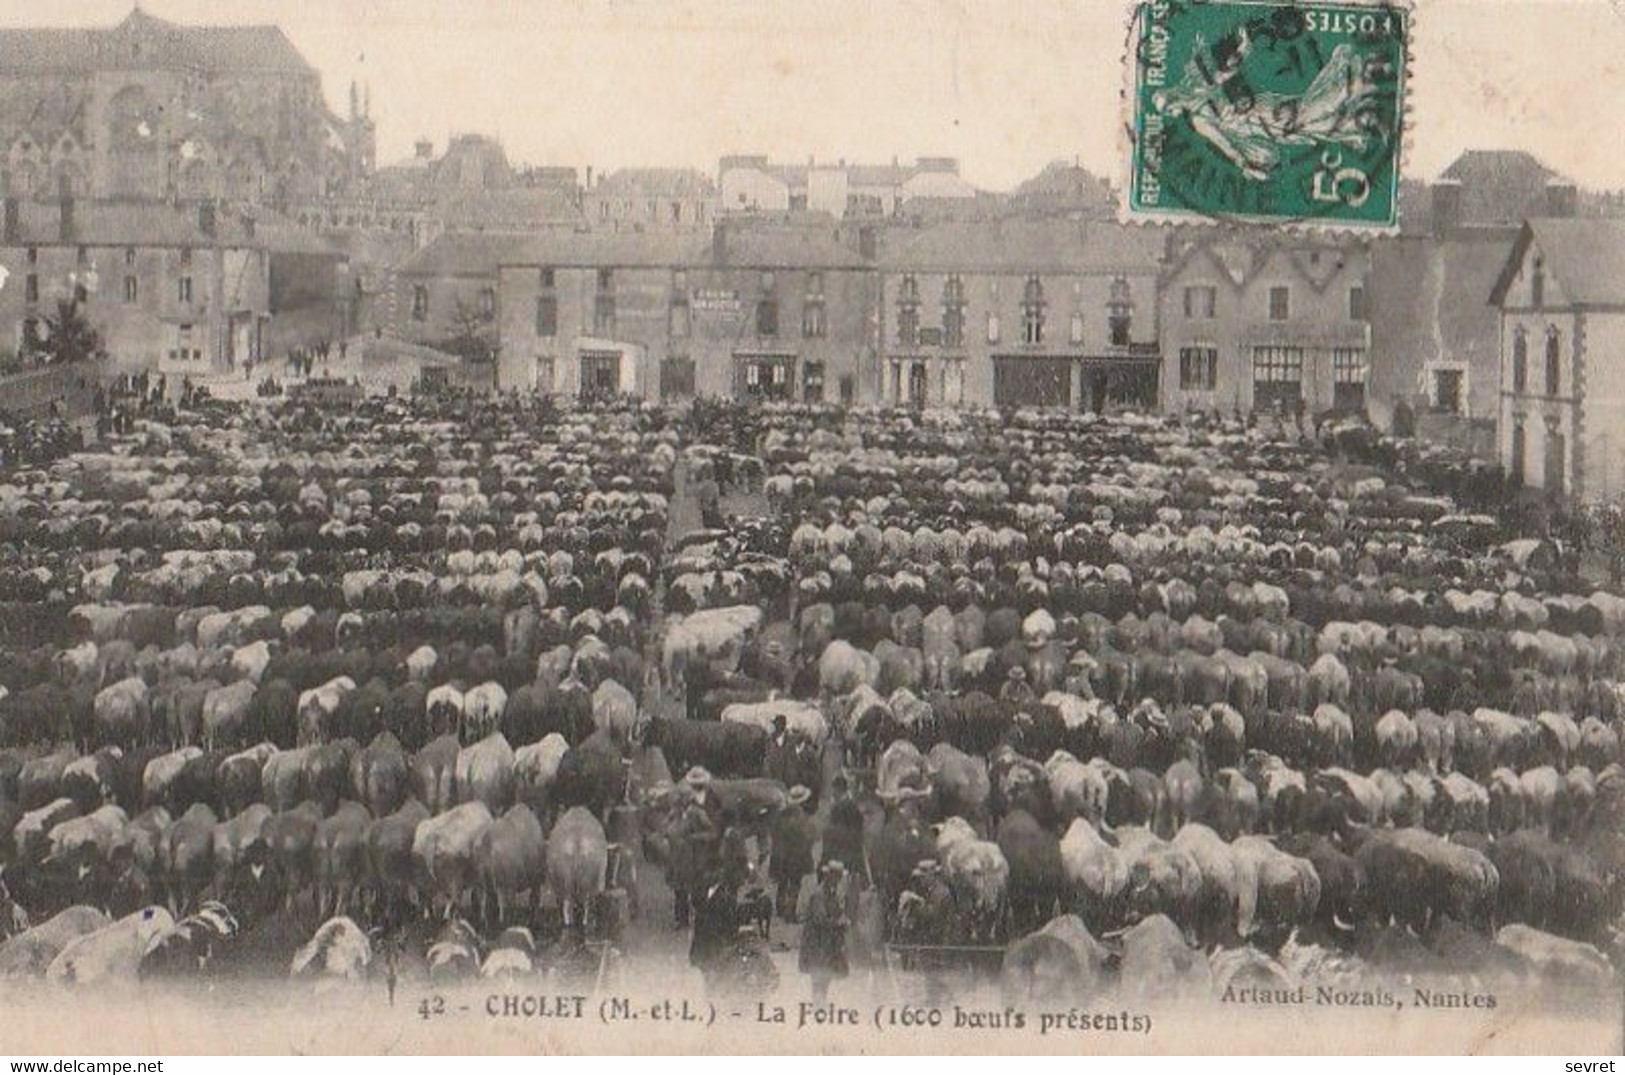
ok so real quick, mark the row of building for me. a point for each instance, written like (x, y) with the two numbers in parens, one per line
(1088, 315)
(1082, 314)
(190, 289)
(192, 193)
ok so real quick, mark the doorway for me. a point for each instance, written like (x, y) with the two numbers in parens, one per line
(600, 376)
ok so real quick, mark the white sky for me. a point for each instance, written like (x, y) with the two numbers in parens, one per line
(1005, 85)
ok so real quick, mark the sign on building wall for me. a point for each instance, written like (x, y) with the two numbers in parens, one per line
(718, 302)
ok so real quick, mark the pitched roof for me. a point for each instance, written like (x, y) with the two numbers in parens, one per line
(1585, 256)
(1500, 186)
(1011, 246)
(607, 249)
(786, 247)
(879, 175)
(1241, 255)
(1474, 163)
(511, 209)
(281, 234)
(464, 253)
(656, 183)
(746, 246)
(141, 40)
(248, 48)
(128, 223)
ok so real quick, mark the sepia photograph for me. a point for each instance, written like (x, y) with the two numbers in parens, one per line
(720, 527)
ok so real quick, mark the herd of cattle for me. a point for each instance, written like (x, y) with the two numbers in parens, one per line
(1107, 694)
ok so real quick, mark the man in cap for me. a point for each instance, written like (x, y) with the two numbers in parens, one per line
(794, 834)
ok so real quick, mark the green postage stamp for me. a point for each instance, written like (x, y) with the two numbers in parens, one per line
(1267, 110)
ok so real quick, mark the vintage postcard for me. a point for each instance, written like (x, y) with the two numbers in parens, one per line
(1059, 526)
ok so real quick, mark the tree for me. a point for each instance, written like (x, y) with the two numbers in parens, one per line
(473, 336)
(70, 337)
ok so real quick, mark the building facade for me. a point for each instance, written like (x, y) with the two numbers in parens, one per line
(762, 313)
(1016, 314)
(470, 187)
(181, 291)
(449, 289)
(1437, 338)
(751, 184)
(149, 109)
(1561, 302)
(650, 199)
(1265, 325)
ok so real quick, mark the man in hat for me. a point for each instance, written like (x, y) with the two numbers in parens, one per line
(823, 934)
(1016, 689)
(794, 834)
(697, 783)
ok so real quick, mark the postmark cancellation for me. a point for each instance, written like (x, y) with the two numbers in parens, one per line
(1268, 111)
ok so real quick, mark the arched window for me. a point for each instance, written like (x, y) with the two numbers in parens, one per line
(1554, 370)
(1537, 284)
(1520, 360)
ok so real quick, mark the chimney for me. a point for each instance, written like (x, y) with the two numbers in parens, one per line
(68, 229)
(1446, 207)
(1562, 197)
(206, 218)
(424, 149)
(719, 243)
(588, 185)
(14, 226)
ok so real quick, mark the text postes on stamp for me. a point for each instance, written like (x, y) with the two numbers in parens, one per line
(1267, 110)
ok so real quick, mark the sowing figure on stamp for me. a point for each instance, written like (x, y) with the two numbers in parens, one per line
(1251, 131)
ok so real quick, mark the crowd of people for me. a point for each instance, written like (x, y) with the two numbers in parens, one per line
(302, 361)
(1114, 700)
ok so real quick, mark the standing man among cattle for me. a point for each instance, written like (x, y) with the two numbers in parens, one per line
(823, 934)
(794, 835)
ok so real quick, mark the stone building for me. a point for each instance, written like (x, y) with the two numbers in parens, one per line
(150, 109)
(751, 184)
(1560, 301)
(1020, 313)
(448, 287)
(1435, 336)
(751, 312)
(650, 199)
(176, 290)
(470, 187)
(1265, 324)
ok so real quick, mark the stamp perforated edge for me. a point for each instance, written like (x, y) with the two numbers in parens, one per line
(1128, 95)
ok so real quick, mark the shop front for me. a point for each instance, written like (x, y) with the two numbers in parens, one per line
(764, 377)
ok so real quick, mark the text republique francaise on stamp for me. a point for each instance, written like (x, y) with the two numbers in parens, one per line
(1267, 111)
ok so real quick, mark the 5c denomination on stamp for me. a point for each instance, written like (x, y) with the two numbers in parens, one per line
(1267, 110)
